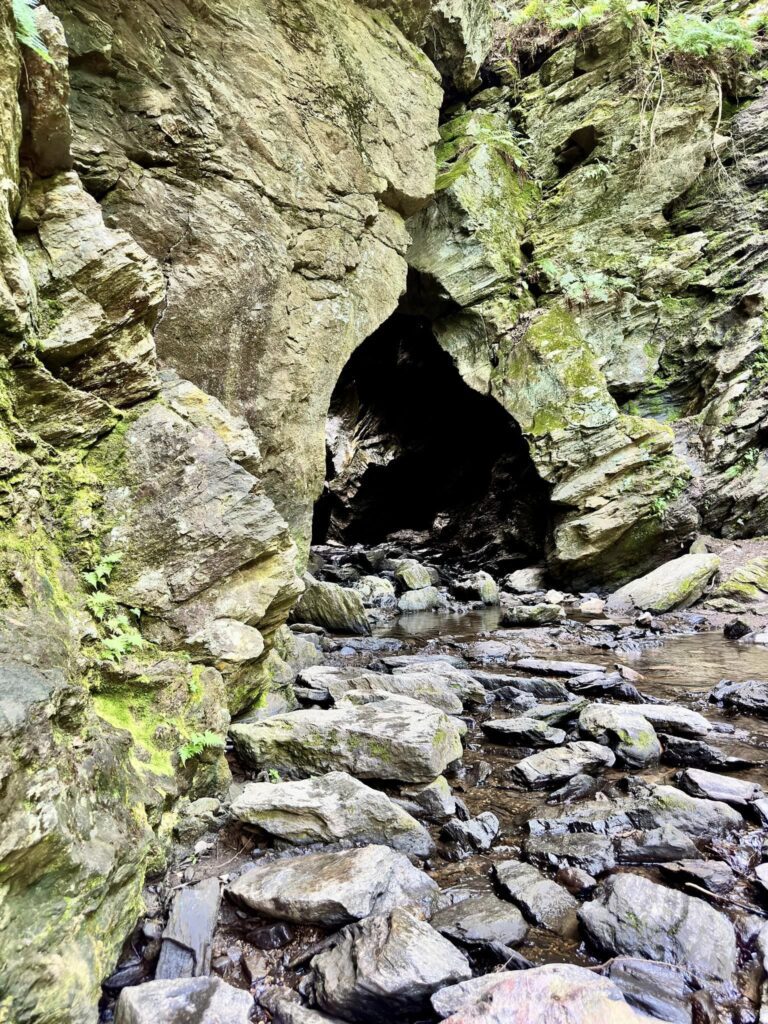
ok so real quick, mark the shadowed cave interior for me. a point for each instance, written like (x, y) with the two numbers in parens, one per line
(411, 447)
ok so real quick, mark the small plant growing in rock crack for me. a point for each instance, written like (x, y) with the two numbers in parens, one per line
(273, 775)
(99, 576)
(659, 507)
(123, 638)
(26, 30)
(197, 743)
(748, 460)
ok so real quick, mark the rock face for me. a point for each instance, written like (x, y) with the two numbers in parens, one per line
(676, 584)
(330, 808)
(634, 916)
(314, 229)
(334, 889)
(390, 739)
(386, 964)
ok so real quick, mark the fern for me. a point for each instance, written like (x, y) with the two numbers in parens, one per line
(26, 30)
(197, 743)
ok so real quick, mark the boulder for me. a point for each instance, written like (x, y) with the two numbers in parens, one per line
(522, 732)
(532, 615)
(750, 696)
(675, 585)
(285, 1007)
(543, 901)
(672, 718)
(334, 889)
(736, 792)
(338, 609)
(391, 739)
(481, 586)
(472, 835)
(686, 753)
(424, 600)
(548, 767)
(661, 990)
(745, 587)
(481, 921)
(542, 995)
(645, 807)
(626, 731)
(203, 1000)
(376, 592)
(542, 689)
(385, 968)
(412, 575)
(459, 681)
(526, 581)
(328, 809)
(634, 916)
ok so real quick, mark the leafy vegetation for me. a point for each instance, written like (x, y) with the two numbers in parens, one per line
(199, 742)
(99, 576)
(122, 637)
(26, 30)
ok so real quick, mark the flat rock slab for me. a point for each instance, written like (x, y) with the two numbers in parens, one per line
(750, 696)
(431, 689)
(330, 808)
(334, 889)
(592, 853)
(481, 920)
(713, 875)
(385, 969)
(389, 739)
(462, 683)
(673, 718)
(549, 767)
(629, 733)
(542, 995)
(633, 916)
(557, 668)
(542, 689)
(543, 901)
(676, 584)
(655, 846)
(648, 807)
(737, 792)
(187, 938)
(662, 990)
(687, 753)
(202, 1000)
(522, 732)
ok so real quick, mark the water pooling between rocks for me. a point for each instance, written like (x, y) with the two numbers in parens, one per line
(613, 859)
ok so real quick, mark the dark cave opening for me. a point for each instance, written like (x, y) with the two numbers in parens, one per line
(411, 447)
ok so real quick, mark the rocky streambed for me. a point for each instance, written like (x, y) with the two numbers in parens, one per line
(451, 818)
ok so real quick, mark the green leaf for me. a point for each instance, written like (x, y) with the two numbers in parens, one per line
(26, 30)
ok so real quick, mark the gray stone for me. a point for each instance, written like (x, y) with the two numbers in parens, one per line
(481, 586)
(424, 600)
(629, 734)
(330, 808)
(750, 696)
(592, 853)
(429, 687)
(390, 739)
(548, 767)
(673, 718)
(434, 801)
(376, 592)
(385, 968)
(647, 807)
(547, 667)
(333, 889)
(285, 1007)
(472, 835)
(522, 732)
(662, 990)
(737, 792)
(543, 901)
(412, 575)
(188, 936)
(202, 1000)
(543, 689)
(532, 615)
(713, 875)
(655, 846)
(339, 609)
(553, 993)
(480, 921)
(555, 713)
(634, 916)
(526, 581)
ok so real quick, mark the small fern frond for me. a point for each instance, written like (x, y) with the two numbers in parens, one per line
(26, 30)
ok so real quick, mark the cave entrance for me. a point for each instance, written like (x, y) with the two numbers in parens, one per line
(411, 448)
